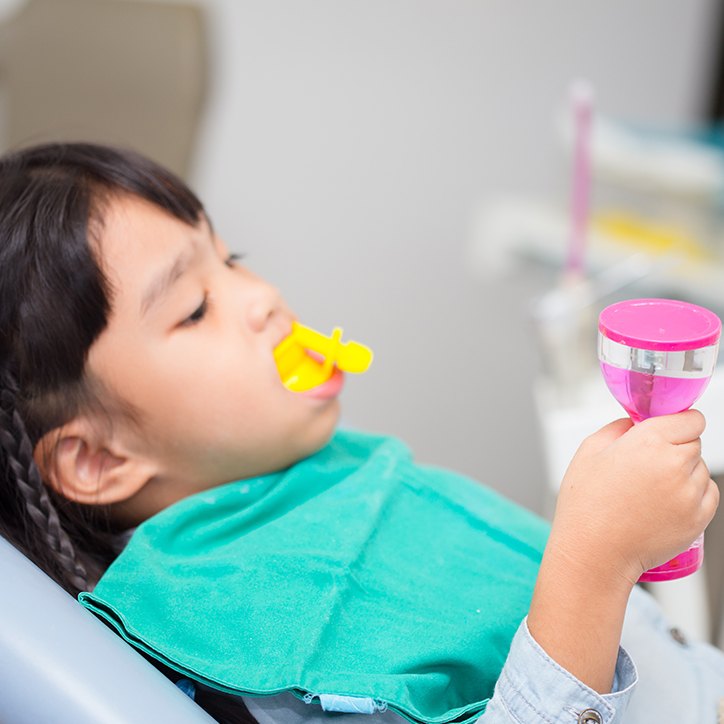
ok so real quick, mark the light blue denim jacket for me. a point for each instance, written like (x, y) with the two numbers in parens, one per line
(534, 688)
(673, 682)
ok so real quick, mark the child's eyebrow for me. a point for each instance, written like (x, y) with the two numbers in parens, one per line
(161, 284)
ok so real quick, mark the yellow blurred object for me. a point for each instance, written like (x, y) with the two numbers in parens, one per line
(650, 237)
(301, 371)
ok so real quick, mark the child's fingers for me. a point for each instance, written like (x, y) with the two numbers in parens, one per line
(681, 428)
(608, 434)
(700, 476)
(705, 492)
(709, 501)
(690, 453)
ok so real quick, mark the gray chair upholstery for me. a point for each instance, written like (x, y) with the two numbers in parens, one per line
(59, 664)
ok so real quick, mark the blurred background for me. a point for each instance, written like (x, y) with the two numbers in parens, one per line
(403, 168)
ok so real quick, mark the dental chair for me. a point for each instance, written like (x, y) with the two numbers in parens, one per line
(60, 664)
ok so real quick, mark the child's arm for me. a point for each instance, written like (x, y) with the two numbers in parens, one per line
(631, 499)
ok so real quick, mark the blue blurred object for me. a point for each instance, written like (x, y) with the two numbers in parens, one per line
(59, 664)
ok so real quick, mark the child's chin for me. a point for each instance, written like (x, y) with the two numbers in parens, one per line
(324, 428)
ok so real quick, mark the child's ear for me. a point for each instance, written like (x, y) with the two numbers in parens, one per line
(87, 466)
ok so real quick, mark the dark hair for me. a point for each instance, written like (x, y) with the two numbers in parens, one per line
(54, 302)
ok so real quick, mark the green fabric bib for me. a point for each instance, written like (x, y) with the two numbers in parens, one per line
(355, 573)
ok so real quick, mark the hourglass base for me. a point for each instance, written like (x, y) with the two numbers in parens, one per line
(682, 565)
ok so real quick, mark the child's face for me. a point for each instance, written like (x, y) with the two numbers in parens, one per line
(189, 345)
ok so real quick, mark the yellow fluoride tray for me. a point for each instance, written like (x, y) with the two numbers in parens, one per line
(300, 370)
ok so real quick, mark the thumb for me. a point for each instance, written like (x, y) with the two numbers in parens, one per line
(608, 434)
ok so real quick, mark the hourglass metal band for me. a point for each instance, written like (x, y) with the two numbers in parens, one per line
(685, 364)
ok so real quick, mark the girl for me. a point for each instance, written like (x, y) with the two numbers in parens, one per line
(137, 379)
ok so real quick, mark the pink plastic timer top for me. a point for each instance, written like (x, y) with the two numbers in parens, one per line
(659, 325)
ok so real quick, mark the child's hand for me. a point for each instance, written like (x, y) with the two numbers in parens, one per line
(635, 496)
(632, 498)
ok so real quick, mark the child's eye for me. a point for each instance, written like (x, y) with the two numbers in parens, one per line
(232, 259)
(198, 314)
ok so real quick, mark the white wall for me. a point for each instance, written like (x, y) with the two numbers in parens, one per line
(347, 143)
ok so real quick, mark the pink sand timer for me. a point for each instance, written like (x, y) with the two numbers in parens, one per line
(657, 356)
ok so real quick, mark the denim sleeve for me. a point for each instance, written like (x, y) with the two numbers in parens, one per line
(534, 688)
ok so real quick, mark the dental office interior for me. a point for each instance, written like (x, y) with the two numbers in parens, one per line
(464, 186)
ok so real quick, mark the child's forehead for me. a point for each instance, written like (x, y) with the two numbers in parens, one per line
(138, 241)
(132, 225)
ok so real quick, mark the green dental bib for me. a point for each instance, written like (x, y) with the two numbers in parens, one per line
(354, 573)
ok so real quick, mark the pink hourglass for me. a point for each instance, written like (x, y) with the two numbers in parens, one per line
(657, 356)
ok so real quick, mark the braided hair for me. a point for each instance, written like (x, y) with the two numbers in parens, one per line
(54, 303)
(32, 498)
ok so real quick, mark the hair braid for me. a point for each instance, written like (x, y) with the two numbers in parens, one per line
(18, 449)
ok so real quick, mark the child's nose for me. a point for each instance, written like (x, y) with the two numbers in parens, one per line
(265, 303)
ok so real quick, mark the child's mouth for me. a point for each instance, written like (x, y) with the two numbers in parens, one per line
(329, 389)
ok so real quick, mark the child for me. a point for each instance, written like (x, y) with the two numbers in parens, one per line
(137, 380)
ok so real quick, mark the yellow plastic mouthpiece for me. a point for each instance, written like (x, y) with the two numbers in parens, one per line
(301, 371)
